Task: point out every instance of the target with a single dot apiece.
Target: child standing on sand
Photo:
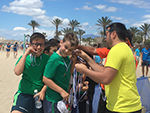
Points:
(8, 47)
(31, 65)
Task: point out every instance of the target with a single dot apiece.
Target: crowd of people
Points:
(64, 71)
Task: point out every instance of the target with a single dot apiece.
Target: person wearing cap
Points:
(145, 53)
(118, 75)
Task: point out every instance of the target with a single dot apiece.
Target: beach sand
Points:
(9, 81)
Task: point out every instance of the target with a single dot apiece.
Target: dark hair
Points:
(94, 45)
(99, 45)
(72, 38)
(53, 40)
(36, 35)
(51, 43)
(120, 30)
(129, 35)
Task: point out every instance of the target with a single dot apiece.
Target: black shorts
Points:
(25, 103)
(145, 63)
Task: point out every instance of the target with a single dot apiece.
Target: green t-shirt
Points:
(55, 70)
(121, 93)
(32, 75)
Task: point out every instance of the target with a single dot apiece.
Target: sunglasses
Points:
(107, 30)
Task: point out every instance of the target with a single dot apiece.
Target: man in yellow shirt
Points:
(118, 75)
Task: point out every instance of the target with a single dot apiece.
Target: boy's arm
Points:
(73, 58)
(20, 65)
(56, 88)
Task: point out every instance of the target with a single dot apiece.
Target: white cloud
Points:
(76, 8)
(116, 18)
(27, 3)
(105, 8)
(19, 28)
(86, 7)
(100, 6)
(110, 9)
(87, 3)
(146, 16)
(125, 21)
(137, 3)
(25, 7)
(138, 24)
(32, 8)
(85, 24)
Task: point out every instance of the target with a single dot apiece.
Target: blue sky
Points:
(16, 14)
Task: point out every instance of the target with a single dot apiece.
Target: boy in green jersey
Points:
(31, 65)
(57, 73)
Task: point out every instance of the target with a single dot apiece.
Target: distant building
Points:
(2, 38)
(98, 40)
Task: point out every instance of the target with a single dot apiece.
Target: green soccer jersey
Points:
(55, 70)
(32, 74)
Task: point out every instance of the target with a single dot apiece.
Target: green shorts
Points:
(25, 103)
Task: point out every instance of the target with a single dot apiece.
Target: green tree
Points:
(57, 22)
(33, 24)
(66, 30)
(58, 34)
(83, 40)
(73, 24)
(139, 37)
(89, 40)
(145, 28)
(134, 31)
(80, 33)
(44, 34)
(103, 22)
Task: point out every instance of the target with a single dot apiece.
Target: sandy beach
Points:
(9, 81)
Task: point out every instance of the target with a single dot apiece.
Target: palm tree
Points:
(44, 34)
(140, 34)
(33, 24)
(80, 33)
(58, 34)
(73, 24)
(89, 40)
(134, 31)
(57, 22)
(103, 22)
(145, 28)
(66, 30)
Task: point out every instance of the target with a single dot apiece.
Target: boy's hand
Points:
(41, 95)
(30, 50)
(73, 58)
(64, 95)
(86, 83)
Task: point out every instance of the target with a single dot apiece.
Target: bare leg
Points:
(15, 111)
(142, 70)
(146, 70)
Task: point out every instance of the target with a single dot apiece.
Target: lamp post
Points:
(24, 44)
